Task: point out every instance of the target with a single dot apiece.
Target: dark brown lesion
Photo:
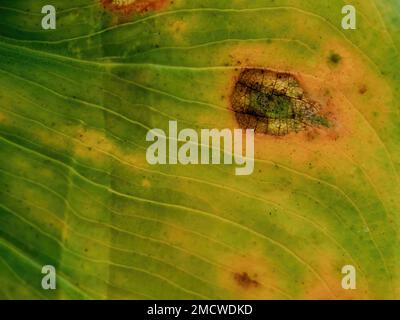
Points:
(273, 103)
(244, 280)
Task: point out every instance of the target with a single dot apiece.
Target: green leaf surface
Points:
(77, 192)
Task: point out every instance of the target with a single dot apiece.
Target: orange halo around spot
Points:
(130, 6)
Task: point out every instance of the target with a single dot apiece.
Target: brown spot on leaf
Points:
(244, 280)
(363, 89)
(252, 276)
(334, 58)
(273, 103)
(127, 7)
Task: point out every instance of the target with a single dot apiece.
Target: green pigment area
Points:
(272, 106)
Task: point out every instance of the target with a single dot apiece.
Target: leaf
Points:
(77, 193)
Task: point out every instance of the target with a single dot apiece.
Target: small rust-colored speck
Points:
(245, 281)
(363, 89)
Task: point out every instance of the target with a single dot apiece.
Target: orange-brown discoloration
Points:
(127, 7)
(3, 117)
(329, 267)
